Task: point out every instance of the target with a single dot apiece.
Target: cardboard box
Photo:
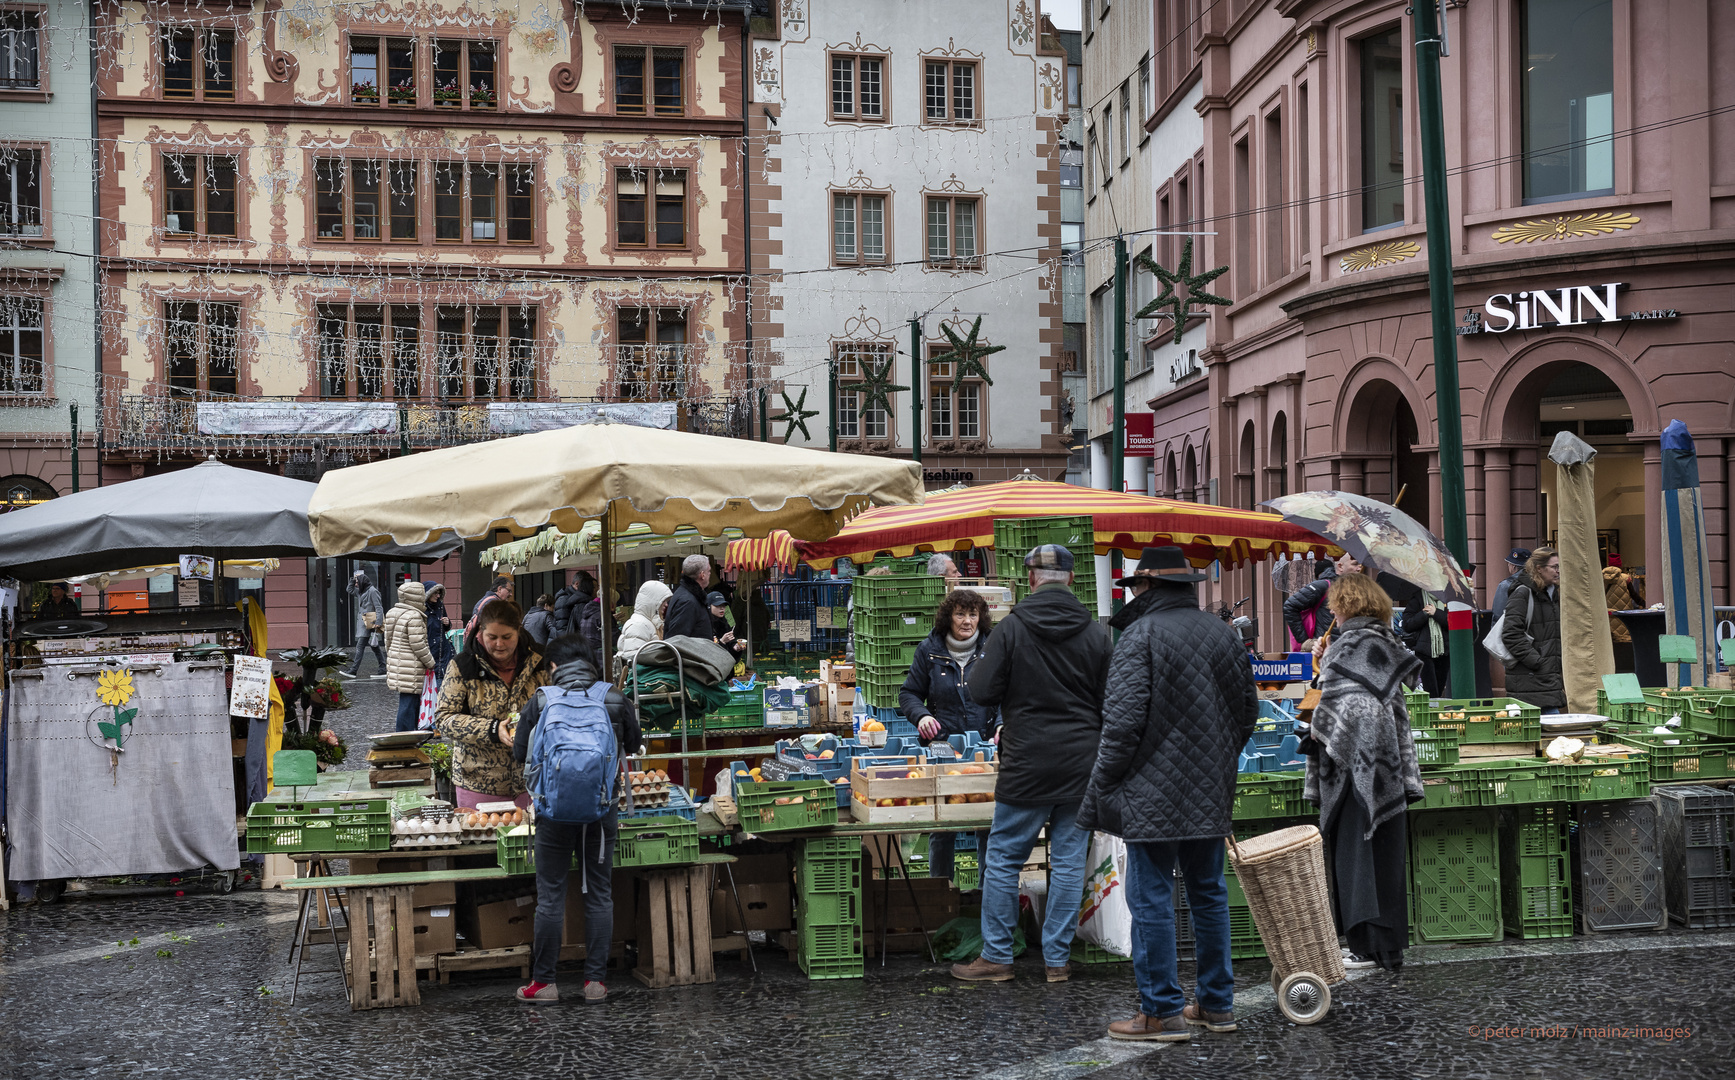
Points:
(768, 869)
(572, 928)
(833, 672)
(436, 930)
(768, 907)
(798, 717)
(938, 899)
(504, 923)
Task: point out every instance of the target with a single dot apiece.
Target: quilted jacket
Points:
(1180, 705)
(408, 657)
(473, 701)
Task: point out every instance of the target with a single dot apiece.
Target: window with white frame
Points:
(21, 343)
(953, 414)
(949, 92)
(953, 232)
(857, 87)
(858, 228)
(1107, 144)
(854, 360)
(20, 50)
(20, 191)
(1126, 119)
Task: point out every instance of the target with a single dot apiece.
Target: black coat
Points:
(1534, 676)
(1307, 598)
(1416, 634)
(687, 616)
(1180, 706)
(936, 687)
(1044, 668)
(565, 616)
(579, 674)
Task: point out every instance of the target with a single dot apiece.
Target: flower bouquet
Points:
(326, 746)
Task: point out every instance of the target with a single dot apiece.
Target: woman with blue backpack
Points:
(571, 740)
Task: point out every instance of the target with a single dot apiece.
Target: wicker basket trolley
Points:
(1283, 875)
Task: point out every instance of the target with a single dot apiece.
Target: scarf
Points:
(963, 650)
(1364, 725)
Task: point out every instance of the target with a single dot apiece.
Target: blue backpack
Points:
(574, 759)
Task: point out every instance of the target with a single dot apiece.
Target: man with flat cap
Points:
(1179, 705)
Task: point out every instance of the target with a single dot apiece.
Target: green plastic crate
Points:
(1456, 788)
(905, 623)
(760, 812)
(828, 909)
(1244, 942)
(1536, 871)
(280, 827)
(1483, 720)
(1602, 780)
(830, 847)
(663, 840)
(840, 875)
(879, 686)
(833, 941)
(815, 968)
(908, 592)
(1084, 952)
(1436, 748)
(1692, 757)
(1714, 716)
(1454, 877)
(1269, 795)
(884, 656)
(966, 874)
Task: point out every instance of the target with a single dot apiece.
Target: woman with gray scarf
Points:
(1362, 772)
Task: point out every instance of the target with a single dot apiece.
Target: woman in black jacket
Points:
(1421, 610)
(1531, 633)
(936, 695)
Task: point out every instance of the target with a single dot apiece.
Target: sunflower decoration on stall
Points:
(114, 688)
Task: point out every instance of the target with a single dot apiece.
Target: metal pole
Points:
(74, 449)
(1436, 208)
(763, 423)
(832, 416)
(403, 433)
(916, 390)
(1117, 461)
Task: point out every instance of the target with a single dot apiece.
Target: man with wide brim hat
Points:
(1178, 706)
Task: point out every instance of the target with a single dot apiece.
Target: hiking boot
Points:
(1059, 974)
(1210, 1021)
(1142, 1028)
(594, 992)
(539, 994)
(982, 969)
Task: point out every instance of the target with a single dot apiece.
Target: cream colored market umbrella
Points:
(1586, 648)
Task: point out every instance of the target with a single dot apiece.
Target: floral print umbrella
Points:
(1381, 537)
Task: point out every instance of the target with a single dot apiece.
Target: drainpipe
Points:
(747, 182)
(95, 254)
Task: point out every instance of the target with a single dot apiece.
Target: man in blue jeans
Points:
(1180, 705)
(1044, 667)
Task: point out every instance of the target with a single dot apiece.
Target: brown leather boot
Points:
(1059, 974)
(982, 970)
(1142, 1028)
(1210, 1021)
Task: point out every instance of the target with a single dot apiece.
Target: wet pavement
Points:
(197, 987)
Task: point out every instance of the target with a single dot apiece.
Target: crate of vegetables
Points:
(779, 806)
(965, 789)
(892, 790)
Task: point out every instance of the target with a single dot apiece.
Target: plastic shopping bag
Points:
(1104, 918)
(430, 698)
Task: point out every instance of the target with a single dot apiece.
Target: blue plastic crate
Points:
(680, 804)
(1274, 710)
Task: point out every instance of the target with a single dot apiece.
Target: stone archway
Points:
(1379, 457)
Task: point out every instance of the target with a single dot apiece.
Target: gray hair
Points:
(1044, 577)
(692, 564)
(939, 565)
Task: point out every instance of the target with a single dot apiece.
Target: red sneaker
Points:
(539, 994)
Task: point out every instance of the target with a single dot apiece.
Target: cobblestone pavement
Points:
(204, 992)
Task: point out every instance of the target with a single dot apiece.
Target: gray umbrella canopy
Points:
(210, 509)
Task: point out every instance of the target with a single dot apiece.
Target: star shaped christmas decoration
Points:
(876, 385)
(1191, 289)
(967, 353)
(795, 414)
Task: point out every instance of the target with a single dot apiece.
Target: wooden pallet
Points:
(518, 956)
(382, 955)
(674, 926)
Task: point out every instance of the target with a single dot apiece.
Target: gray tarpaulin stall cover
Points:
(168, 806)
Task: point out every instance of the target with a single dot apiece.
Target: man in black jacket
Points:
(1310, 600)
(1180, 704)
(688, 616)
(574, 667)
(1044, 667)
(570, 600)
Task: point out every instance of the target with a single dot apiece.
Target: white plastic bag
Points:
(1104, 918)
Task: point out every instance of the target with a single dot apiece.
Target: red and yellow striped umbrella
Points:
(960, 520)
(762, 553)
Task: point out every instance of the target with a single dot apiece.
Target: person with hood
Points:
(370, 615)
(1044, 668)
(569, 599)
(936, 695)
(1362, 773)
(646, 624)
(486, 686)
(60, 604)
(408, 657)
(539, 620)
(573, 666)
(1304, 610)
(687, 616)
(439, 624)
(1179, 705)
(1531, 633)
(1622, 592)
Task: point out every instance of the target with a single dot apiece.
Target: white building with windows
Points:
(911, 170)
(48, 311)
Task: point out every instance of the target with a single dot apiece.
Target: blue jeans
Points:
(409, 711)
(1009, 842)
(556, 843)
(941, 849)
(1150, 895)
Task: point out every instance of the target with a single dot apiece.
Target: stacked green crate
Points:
(1536, 871)
(893, 614)
(1014, 537)
(1454, 876)
(828, 908)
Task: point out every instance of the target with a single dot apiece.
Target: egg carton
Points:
(425, 840)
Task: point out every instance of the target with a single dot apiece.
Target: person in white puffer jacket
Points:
(408, 657)
(646, 624)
